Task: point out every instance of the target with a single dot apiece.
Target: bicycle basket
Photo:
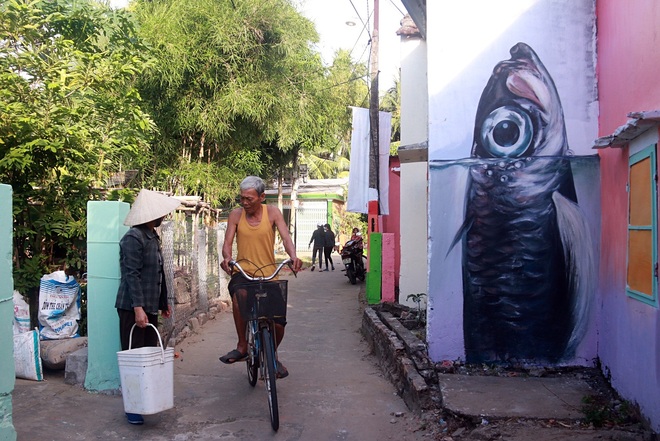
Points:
(253, 304)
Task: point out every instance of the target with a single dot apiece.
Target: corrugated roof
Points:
(323, 186)
(417, 11)
(638, 123)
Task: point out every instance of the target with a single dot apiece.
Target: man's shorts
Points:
(237, 280)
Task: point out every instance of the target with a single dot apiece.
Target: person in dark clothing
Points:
(328, 246)
(318, 237)
(142, 290)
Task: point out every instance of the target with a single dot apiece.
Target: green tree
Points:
(69, 117)
(230, 77)
(345, 86)
(391, 102)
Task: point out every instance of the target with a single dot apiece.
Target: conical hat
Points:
(150, 205)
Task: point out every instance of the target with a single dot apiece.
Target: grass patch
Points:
(603, 412)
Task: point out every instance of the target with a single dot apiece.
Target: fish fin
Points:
(580, 263)
(459, 235)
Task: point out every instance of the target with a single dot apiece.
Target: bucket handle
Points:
(162, 351)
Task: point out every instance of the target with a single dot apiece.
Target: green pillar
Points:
(105, 228)
(374, 276)
(7, 374)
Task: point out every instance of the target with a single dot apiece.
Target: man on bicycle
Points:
(253, 225)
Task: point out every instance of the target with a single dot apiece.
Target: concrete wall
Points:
(105, 228)
(413, 177)
(498, 207)
(628, 67)
(628, 63)
(392, 222)
(414, 111)
(7, 375)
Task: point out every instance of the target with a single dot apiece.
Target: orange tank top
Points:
(256, 245)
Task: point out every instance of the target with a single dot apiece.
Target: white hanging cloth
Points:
(359, 192)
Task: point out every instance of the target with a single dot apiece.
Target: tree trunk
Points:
(280, 203)
(280, 182)
(294, 193)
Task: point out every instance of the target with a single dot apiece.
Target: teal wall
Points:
(7, 375)
(105, 228)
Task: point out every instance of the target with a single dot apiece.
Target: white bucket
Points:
(147, 377)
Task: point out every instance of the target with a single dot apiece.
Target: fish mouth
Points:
(526, 77)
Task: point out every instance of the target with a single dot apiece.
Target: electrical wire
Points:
(397, 8)
(350, 80)
(364, 25)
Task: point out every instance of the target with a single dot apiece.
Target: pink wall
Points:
(628, 61)
(628, 67)
(391, 222)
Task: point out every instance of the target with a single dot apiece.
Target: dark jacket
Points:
(329, 239)
(318, 237)
(142, 280)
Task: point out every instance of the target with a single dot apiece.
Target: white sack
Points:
(27, 359)
(21, 322)
(59, 306)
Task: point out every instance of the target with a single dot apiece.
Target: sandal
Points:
(282, 372)
(233, 357)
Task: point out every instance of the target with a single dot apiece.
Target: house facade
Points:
(629, 98)
(413, 176)
(542, 186)
(318, 201)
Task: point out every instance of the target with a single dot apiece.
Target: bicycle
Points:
(260, 304)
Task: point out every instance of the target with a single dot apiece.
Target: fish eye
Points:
(507, 132)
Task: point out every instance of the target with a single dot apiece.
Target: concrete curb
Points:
(396, 357)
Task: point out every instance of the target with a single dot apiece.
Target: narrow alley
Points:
(334, 390)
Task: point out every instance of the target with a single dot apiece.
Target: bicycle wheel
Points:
(268, 358)
(253, 353)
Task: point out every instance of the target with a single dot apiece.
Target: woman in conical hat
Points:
(142, 289)
(149, 206)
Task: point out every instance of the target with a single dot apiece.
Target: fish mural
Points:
(527, 256)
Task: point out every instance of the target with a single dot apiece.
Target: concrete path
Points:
(334, 390)
(502, 397)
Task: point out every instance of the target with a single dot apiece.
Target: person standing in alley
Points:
(318, 237)
(142, 290)
(328, 246)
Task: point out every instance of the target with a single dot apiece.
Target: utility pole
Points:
(373, 107)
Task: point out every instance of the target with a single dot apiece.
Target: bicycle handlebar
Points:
(233, 263)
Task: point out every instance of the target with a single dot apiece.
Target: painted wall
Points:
(628, 67)
(7, 375)
(414, 176)
(513, 194)
(105, 228)
(391, 222)
(628, 63)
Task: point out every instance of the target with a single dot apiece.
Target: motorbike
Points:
(352, 257)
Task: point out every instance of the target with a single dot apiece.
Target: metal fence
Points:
(195, 282)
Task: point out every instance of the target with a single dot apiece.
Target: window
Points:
(642, 271)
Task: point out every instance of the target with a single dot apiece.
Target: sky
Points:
(331, 17)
